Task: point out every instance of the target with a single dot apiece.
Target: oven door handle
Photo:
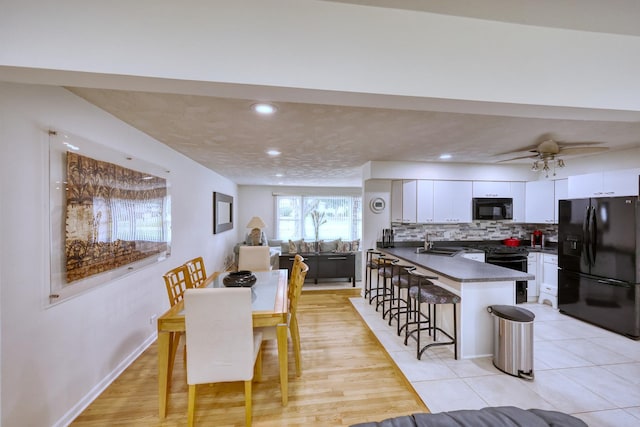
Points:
(505, 261)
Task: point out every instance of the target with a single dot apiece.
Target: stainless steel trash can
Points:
(513, 340)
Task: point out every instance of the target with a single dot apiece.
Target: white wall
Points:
(55, 359)
(448, 171)
(255, 200)
(368, 50)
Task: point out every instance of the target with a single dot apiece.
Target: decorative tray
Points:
(239, 279)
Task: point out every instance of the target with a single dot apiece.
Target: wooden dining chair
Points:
(223, 345)
(177, 281)
(254, 258)
(197, 272)
(295, 290)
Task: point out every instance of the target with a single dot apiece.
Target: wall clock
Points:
(377, 205)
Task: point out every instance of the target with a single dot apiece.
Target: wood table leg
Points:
(164, 344)
(281, 333)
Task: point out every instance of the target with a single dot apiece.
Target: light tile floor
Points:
(579, 369)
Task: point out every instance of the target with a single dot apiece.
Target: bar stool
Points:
(417, 278)
(385, 271)
(434, 295)
(400, 279)
(372, 255)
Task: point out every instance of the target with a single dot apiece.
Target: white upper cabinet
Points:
(409, 201)
(560, 187)
(452, 201)
(539, 205)
(425, 201)
(491, 189)
(403, 201)
(518, 195)
(396, 201)
(604, 184)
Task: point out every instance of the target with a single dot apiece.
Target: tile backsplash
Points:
(476, 230)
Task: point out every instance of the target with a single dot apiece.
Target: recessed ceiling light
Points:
(273, 153)
(263, 108)
(445, 156)
(279, 175)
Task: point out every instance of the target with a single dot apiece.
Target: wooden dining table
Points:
(269, 304)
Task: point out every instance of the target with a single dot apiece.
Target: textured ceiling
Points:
(326, 145)
(325, 142)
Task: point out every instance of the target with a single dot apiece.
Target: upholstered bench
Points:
(499, 416)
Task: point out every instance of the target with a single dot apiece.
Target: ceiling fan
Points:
(549, 150)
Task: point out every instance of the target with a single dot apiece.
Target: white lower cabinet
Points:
(549, 284)
(533, 267)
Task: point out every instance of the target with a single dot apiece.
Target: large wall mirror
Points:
(222, 212)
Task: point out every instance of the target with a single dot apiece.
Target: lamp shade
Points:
(256, 222)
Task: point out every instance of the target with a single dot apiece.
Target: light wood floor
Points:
(347, 378)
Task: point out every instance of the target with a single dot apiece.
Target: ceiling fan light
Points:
(560, 163)
(535, 167)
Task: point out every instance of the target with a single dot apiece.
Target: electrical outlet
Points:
(152, 319)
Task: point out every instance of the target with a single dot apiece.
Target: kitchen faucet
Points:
(427, 243)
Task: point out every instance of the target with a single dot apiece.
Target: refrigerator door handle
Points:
(593, 235)
(613, 282)
(586, 244)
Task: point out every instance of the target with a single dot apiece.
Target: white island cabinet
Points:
(478, 284)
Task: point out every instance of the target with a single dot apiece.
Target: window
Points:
(336, 217)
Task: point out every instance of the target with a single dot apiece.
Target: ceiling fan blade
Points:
(529, 149)
(530, 156)
(581, 150)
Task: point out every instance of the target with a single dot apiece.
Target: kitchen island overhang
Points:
(479, 285)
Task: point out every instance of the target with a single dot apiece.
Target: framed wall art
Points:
(222, 212)
(109, 214)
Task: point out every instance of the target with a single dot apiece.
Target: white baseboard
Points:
(102, 385)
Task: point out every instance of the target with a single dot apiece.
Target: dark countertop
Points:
(457, 267)
(546, 250)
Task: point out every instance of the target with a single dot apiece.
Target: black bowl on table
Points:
(239, 279)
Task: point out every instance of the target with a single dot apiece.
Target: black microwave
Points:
(493, 209)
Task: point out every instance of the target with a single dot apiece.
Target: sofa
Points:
(336, 246)
(499, 416)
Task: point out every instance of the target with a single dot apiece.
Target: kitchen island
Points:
(478, 284)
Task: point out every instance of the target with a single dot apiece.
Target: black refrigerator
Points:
(598, 261)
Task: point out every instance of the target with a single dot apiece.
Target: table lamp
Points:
(257, 237)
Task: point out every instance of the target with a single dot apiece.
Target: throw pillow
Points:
(307, 247)
(352, 246)
(293, 247)
(329, 246)
(343, 247)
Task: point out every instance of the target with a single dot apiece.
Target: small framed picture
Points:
(222, 212)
